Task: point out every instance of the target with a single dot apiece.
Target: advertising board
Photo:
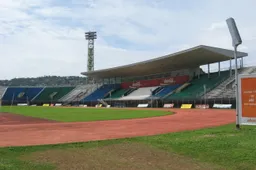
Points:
(156, 82)
(171, 105)
(142, 105)
(247, 99)
(202, 106)
(222, 106)
(186, 106)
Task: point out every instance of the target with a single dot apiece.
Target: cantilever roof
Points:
(190, 58)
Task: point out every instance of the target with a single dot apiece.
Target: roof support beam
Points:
(230, 67)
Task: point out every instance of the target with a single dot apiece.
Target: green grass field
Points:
(82, 114)
(214, 148)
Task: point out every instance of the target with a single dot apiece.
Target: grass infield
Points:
(213, 148)
(82, 114)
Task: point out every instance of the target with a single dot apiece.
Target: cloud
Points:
(46, 37)
(218, 25)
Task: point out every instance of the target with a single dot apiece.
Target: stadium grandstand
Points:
(176, 78)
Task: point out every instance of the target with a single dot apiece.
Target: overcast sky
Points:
(46, 37)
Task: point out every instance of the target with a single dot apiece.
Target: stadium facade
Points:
(175, 78)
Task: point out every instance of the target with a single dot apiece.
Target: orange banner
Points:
(248, 97)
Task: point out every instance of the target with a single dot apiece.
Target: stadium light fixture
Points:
(90, 36)
(236, 41)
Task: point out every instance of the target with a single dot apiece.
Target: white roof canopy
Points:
(190, 58)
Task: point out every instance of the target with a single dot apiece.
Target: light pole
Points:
(236, 41)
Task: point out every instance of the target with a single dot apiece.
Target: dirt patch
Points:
(125, 156)
(15, 119)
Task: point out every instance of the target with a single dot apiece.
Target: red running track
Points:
(54, 133)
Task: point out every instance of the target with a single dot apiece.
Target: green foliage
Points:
(45, 81)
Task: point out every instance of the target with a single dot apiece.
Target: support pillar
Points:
(199, 73)
(230, 69)
(208, 70)
(219, 68)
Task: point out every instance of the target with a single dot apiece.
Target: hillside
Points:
(45, 81)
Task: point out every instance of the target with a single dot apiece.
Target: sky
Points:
(46, 37)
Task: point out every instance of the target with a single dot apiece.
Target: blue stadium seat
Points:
(101, 92)
(21, 94)
(166, 90)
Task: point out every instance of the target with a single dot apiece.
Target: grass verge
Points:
(214, 148)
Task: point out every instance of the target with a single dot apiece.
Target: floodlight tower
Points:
(90, 36)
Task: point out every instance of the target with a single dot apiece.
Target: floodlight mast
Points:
(236, 41)
(90, 36)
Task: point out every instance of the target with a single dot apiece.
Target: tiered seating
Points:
(196, 87)
(226, 89)
(166, 90)
(2, 91)
(79, 93)
(12, 93)
(140, 94)
(117, 94)
(101, 92)
(32, 92)
(52, 94)
(21, 94)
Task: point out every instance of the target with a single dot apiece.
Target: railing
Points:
(103, 102)
(211, 88)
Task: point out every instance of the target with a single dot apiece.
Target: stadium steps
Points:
(90, 90)
(226, 88)
(78, 93)
(217, 92)
(247, 70)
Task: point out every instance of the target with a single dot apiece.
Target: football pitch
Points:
(64, 114)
